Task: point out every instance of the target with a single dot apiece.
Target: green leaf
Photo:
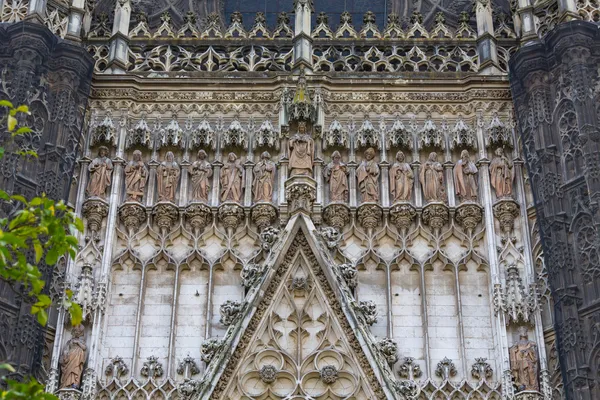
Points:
(12, 123)
(52, 256)
(1, 152)
(22, 130)
(39, 252)
(42, 317)
(7, 367)
(22, 109)
(76, 314)
(6, 103)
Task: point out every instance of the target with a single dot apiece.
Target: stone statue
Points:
(367, 174)
(232, 180)
(465, 178)
(136, 175)
(401, 179)
(167, 176)
(301, 149)
(100, 174)
(432, 179)
(264, 178)
(502, 174)
(524, 362)
(200, 171)
(336, 174)
(72, 359)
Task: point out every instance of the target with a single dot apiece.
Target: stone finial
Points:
(117, 367)
(152, 368)
(368, 309)
(250, 274)
(188, 367)
(350, 274)
(210, 347)
(409, 369)
(445, 369)
(389, 350)
(230, 311)
(268, 237)
(481, 370)
(330, 235)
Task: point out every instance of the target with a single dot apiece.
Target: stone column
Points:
(119, 42)
(37, 10)
(75, 20)
(524, 21)
(486, 41)
(302, 40)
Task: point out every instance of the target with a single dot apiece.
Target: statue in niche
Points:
(336, 174)
(367, 174)
(524, 362)
(200, 171)
(100, 174)
(502, 174)
(401, 179)
(136, 175)
(232, 180)
(72, 359)
(465, 178)
(167, 176)
(301, 149)
(432, 179)
(264, 178)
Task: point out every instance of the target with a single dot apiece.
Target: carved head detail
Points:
(400, 156)
(231, 157)
(302, 127)
(170, 156)
(202, 155)
(137, 155)
(336, 157)
(523, 333)
(78, 331)
(464, 155)
(370, 154)
(103, 151)
(433, 156)
(499, 152)
(265, 155)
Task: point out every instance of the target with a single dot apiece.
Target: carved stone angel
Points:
(502, 174)
(465, 178)
(136, 175)
(167, 176)
(100, 174)
(232, 180)
(301, 150)
(336, 174)
(72, 359)
(201, 171)
(367, 174)
(264, 178)
(401, 179)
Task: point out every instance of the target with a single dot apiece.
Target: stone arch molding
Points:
(300, 335)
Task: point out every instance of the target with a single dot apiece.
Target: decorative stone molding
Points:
(349, 274)
(335, 135)
(199, 216)
(251, 273)
(69, 394)
(299, 283)
(188, 389)
(231, 215)
(462, 136)
(389, 350)
(367, 136)
(266, 135)
(435, 215)
(140, 135)
(498, 134)
(268, 373)
(171, 135)
(445, 369)
(369, 215)
(132, 215)
(409, 369)
(329, 374)
(368, 311)
(336, 215)
(188, 367)
(105, 132)
(152, 368)
(399, 136)
(263, 215)
(230, 310)
(301, 192)
(403, 215)
(330, 235)
(407, 388)
(94, 211)
(165, 216)
(202, 136)
(210, 347)
(268, 237)
(431, 136)
(506, 211)
(468, 216)
(84, 292)
(117, 368)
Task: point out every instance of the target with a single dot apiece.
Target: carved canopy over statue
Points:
(100, 174)
(336, 174)
(200, 171)
(524, 362)
(401, 179)
(301, 150)
(432, 179)
(367, 174)
(167, 175)
(232, 180)
(72, 359)
(136, 175)
(264, 178)
(502, 174)
(465, 178)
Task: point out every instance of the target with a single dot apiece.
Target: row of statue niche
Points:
(301, 163)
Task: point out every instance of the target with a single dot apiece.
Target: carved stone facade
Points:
(282, 207)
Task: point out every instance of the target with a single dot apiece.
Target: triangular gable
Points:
(293, 332)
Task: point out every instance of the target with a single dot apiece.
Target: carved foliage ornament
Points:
(230, 311)
(152, 368)
(116, 368)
